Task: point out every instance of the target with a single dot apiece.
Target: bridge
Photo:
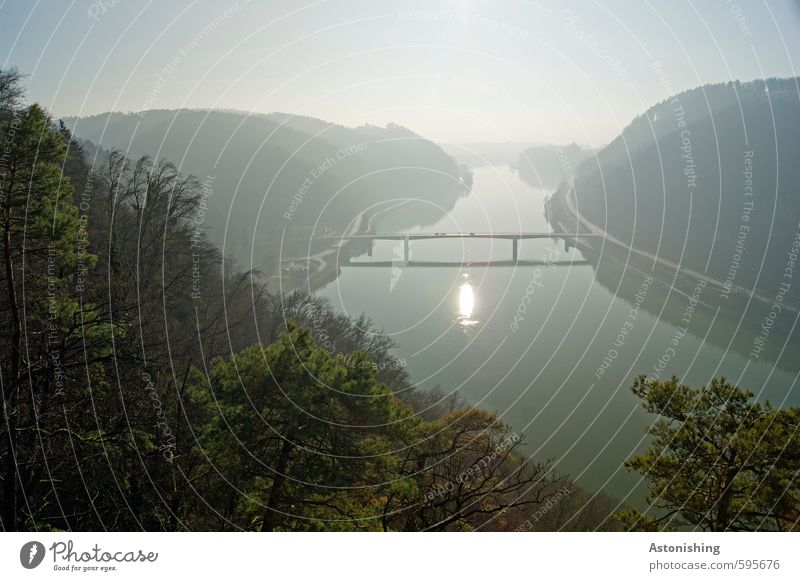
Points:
(475, 264)
(570, 240)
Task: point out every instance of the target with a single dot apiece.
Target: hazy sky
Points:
(452, 70)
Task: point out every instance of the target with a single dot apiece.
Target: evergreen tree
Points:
(719, 461)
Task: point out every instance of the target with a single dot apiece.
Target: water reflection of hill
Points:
(417, 213)
(736, 323)
(707, 179)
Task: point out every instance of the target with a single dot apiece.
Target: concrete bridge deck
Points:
(445, 235)
(462, 263)
(570, 240)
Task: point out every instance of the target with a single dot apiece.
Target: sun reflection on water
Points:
(466, 304)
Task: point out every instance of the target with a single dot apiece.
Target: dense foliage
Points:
(719, 461)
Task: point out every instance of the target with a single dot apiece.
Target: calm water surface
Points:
(528, 342)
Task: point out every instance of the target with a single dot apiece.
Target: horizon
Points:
(519, 144)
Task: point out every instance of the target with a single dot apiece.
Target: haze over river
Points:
(529, 342)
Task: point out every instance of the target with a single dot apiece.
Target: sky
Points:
(452, 70)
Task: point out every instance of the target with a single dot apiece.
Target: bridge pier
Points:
(514, 248)
(369, 248)
(405, 249)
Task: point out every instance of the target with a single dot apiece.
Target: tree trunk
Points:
(268, 519)
(724, 503)
(11, 395)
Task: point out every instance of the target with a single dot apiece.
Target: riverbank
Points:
(731, 318)
(326, 263)
(561, 204)
(312, 272)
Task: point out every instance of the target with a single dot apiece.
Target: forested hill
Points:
(708, 179)
(149, 384)
(270, 172)
(549, 165)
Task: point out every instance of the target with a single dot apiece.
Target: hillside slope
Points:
(709, 179)
(278, 179)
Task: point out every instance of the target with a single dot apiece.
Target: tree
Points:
(11, 89)
(297, 440)
(467, 474)
(719, 461)
(40, 231)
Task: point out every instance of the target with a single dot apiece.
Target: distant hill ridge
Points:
(549, 165)
(270, 166)
(710, 179)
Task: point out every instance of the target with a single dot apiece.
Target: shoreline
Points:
(615, 264)
(324, 267)
(566, 206)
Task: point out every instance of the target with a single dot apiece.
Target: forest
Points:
(151, 383)
(281, 181)
(707, 179)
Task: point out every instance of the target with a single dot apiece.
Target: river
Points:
(542, 345)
